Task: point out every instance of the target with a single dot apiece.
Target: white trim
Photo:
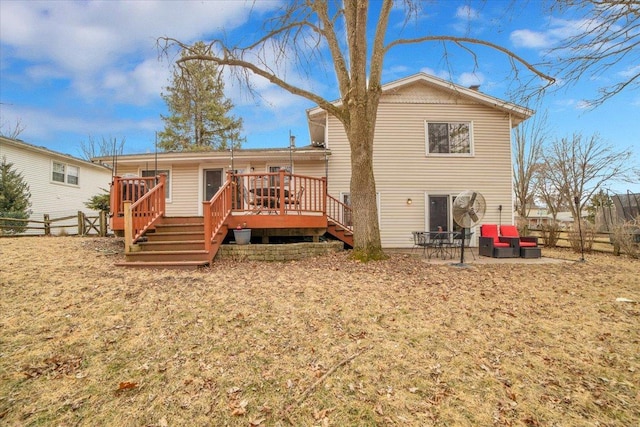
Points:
(65, 178)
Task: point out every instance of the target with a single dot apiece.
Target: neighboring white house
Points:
(433, 140)
(59, 184)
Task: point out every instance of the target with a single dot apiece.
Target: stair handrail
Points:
(141, 214)
(338, 212)
(215, 212)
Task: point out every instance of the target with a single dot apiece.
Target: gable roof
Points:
(316, 115)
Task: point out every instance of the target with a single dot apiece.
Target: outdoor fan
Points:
(468, 209)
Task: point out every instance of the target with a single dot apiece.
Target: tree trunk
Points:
(366, 229)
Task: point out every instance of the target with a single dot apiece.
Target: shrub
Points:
(624, 237)
(588, 235)
(99, 202)
(550, 234)
(14, 199)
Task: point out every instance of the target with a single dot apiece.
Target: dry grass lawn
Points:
(320, 342)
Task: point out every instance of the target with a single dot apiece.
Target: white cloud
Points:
(530, 39)
(41, 124)
(630, 71)
(559, 29)
(444, 75)
(80, 40)
(138, 86)
(467, 12)
(470, 79)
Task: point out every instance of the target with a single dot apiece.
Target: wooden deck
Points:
(270, 204)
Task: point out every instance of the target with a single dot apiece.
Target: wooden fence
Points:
(84, 225)
(601, 241)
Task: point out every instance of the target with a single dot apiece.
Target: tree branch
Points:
(228, 60)
(461, 40)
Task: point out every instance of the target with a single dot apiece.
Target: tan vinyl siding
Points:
(185, 184)
(340, 160)
(309, 168)
(404, 170)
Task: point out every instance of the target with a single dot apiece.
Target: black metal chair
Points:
(421, 240)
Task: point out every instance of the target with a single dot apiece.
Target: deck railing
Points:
(279, 192)
(128, 188)
(141, 214)
(339, 212)
(215, 212)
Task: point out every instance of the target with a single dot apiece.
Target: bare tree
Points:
(310, 33)
(528, 139)
(548, 194)
(11, 131)
(102, 148)
(579, 167)
(607, 35)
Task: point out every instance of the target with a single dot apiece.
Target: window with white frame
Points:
(65, 174)
(165, 172)
(448, 138)
(72, 174)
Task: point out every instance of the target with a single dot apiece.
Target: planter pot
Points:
(243, 237)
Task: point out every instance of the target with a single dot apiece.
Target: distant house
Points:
(540, 216)
(433, 140)
(60, 184)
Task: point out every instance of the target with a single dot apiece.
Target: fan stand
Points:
(461, 263)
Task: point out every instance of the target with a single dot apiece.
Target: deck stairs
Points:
(177, 242)
(340, 233)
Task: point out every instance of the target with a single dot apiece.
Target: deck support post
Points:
(128, 226)
(208, 226)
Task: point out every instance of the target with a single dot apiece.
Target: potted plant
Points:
(242, 234)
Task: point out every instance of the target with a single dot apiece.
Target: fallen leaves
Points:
(127, 385)
(55, 367)
(260, 344)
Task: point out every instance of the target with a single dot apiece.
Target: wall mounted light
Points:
(409, 201)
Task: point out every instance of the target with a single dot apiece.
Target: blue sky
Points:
(74, 70)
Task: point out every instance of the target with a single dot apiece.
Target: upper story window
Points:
(449, 138)
(66, 174)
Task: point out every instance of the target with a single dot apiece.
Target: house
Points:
(59, 184)
(433, 140)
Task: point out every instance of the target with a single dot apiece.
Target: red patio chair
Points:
(496, 246)
(528, 245)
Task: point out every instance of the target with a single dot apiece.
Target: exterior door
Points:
(212, 182)
(438, 213)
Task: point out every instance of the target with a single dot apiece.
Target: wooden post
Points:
(128, 226)
(208, 228)
(281, 190)
(103, 223)
(80, 223)
(47, 225)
